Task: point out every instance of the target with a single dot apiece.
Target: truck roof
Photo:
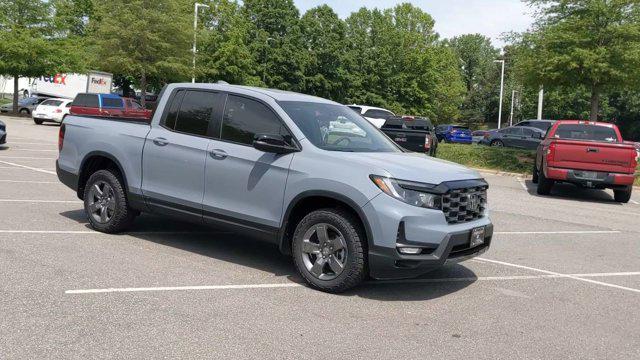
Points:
(585, 122)
(278, 95)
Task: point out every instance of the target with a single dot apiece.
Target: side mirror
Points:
(273, 144)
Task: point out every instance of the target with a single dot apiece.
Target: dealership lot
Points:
(561, 280)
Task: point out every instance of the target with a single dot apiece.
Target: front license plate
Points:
(477, 236)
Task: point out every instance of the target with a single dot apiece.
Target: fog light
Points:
(410, 250)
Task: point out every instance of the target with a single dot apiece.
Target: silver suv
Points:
(307, 174)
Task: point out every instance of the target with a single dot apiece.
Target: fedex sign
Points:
(56, 79)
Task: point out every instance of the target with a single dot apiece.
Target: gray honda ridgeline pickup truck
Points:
(305, 173)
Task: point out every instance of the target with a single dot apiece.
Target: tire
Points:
(497, 143)
(349, 252)
(119, 215)
(623, 195)
(544, 184)
(535, 173)
(24, 111)
(38, 121)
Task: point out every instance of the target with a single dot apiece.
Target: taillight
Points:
(551, 152)
(57, 111)
(427, 142)
(61, 137)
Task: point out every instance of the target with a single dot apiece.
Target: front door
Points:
(175, 154)
(245, 186)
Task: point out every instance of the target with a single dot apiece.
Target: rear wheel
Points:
(329, 250)
(623, 195)
(497, 143)
(535, 173)
(24, 111)
(105, 203)
(38, 121)
(544, 184)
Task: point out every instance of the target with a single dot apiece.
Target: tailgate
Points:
(413, 140)
(595, 156)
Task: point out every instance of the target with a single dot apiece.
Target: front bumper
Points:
(395, 223)
(602, 180)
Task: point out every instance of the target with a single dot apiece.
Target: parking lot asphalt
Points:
(561, 281)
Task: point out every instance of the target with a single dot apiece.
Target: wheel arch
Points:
(99, 160)
(311, 200)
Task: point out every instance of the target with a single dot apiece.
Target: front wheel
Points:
(329, 250)
(535, 176)
(105, 203)
(623, 195)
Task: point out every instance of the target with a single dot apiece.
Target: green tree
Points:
(276, 42)
(28, 47)
(590, 43)
(325, 40)
(149, 40)
(476, 57)
(223, 45)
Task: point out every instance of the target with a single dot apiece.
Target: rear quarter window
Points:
(109, 102)
(86, 100)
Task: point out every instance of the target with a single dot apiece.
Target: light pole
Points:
(513, 97)
(264, 71)
(540, 101)
(501, 92)
(195, 33)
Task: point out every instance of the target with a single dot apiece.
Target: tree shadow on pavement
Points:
(232, 248)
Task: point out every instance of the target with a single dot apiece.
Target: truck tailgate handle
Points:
(593, 150)
(160, 141)
(218, 154)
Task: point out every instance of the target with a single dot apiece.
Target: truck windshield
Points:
(585, 132)
(337, 128)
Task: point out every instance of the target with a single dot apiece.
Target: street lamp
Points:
(264, 70)
(501, 92)
(513, 97)
(195, 28)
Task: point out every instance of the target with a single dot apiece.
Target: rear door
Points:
(512, 137)
(530, 139)
(245, 186)
(175, 153)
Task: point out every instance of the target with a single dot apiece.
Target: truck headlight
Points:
(415, 194)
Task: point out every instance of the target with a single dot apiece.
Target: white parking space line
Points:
(39, 150)
(521, 182)
(27, 157)
(32, 143)
(28, 167)
(292, 285)
(570, 276)
(29, 182)
(634, 202)
(557, 232)
(73, 232)
(41, 201)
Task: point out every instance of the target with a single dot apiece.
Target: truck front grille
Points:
(466, 204)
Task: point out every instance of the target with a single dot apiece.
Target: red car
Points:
(587, 154)
(108, 105)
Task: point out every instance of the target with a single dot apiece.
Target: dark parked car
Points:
(515, 136)
(478, 135)
(412, 133)
(25, 106)
(3, 133)
(453, 134)
(543, 125)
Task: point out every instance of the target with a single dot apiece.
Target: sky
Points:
(453, 17)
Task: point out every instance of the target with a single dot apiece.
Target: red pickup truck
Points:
(587, 154)
(108, 105)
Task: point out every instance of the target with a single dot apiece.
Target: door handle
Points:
(218, 154)
(160, 141)
(594, 150)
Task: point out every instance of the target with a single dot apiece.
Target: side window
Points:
(170, 120)
(375, 113)
(69, 104)
(195, 112)
(110, 102)
(244, 118)
(524, 123)
(86, 100)
(527, 132)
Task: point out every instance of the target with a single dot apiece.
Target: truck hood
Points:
(413, 167)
